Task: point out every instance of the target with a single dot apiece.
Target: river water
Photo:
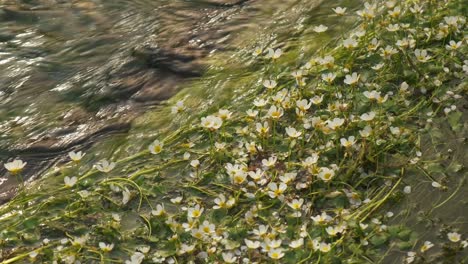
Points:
(97, 75)
(74, 73)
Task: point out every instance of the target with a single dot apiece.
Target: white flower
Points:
(195, 163)
(221, 202)
(326, 174)
(33, 254)
(325, 247)
(178, 107)
(79, 241)
(105, 166)
(393, 27)
(366, 132)
(453, 45)
(296, 204)
(211, 122)
(197, 233)
(156, 147)
(184, 248)
(368, 12)
(373, 45)
(395, 12)
(374, 95)
(229, 257)
(296, 243)
(303, 105)
(76, 156)
(352, 79)
(335, 123)
(333, 230)
(275, 112)
(297, 74)
(328, 77)
(388, 52)
(452, 21)
(84, 193)
(224, 114)
(136, 258)
(348, 142)
(339, 10)
(257, 51)
(276, 253)
(421, 55)
(106, 247)
(15, 166)
(378, 66)
(276, 191)
(416, 9)
(292, 132)
(395, 130)
(252, 244)
(69, 182)
(316, 100)
(270, 162)
(195, 212)
(350, 43)
(239, 177)
(311, 160)
(269, 84)
(410, 257)
(260, 102)
(407, 189)
(176, 200)
(320, 28)
(368, 116)
(252, 113)
(404, 87)
(288, 177)
(464, 244)
(126, 195)
(327, 61)
(220, 146)
(160, 211)
(207, 227)
(274, 54)
(427, 245)
(454, 237)
(256, 175)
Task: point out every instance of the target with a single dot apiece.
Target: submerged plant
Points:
(304, 171)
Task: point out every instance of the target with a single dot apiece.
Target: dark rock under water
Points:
(108, 90)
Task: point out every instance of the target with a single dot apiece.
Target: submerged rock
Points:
(103, 99)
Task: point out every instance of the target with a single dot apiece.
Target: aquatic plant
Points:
(300, 173)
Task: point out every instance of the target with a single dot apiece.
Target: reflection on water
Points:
(64, 63)
(74, 72)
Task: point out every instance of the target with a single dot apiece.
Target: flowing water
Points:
(73, 73)
(100, 76)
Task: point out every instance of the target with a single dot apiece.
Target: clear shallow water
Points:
(61, 63)
(73, 74)
(84, 72)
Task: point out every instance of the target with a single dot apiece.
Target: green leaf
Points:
(379, 240)
(454, 119)
(404, 245)
(404, 234)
